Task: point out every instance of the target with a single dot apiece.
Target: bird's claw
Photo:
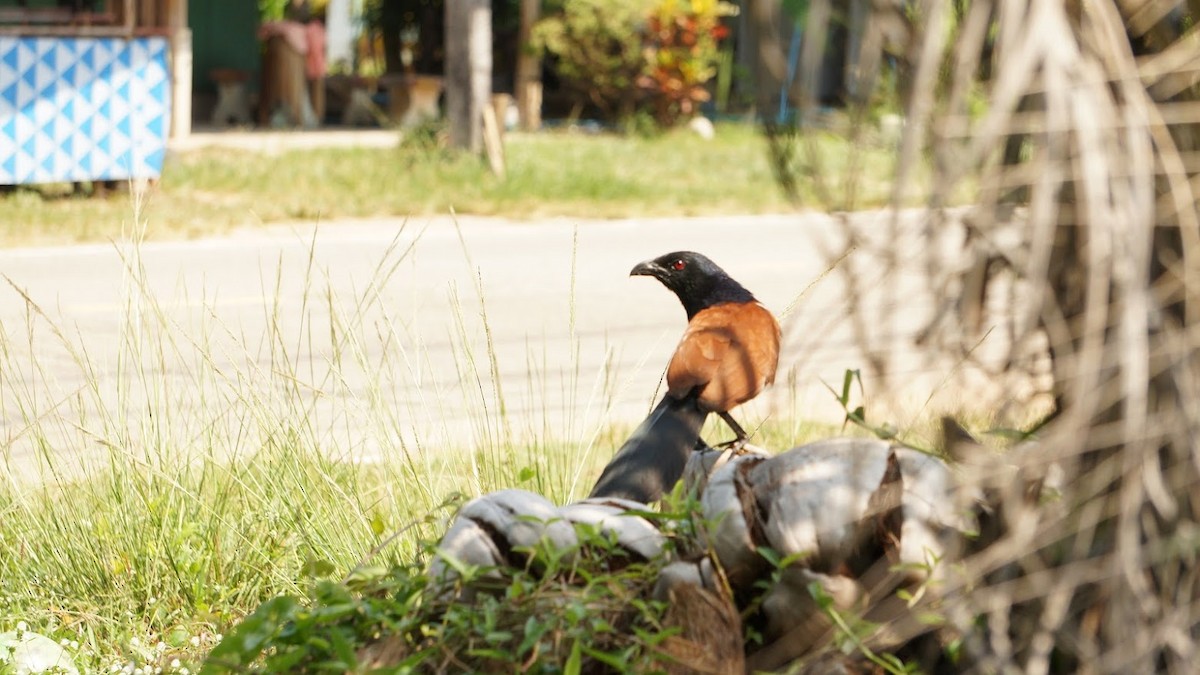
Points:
(737, 446)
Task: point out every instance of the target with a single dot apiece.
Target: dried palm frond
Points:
(1082, 239)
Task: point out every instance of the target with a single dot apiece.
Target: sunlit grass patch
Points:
(214, 190)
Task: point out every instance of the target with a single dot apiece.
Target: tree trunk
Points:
(769, 56)
(390, 19)
(468, 70)
(528, 77)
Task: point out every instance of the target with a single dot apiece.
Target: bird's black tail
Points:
(653, 458)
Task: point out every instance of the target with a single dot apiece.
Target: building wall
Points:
(223, 36)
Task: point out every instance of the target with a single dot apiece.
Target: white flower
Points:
(175, 663)
(22, 626)
(161, 646)
(195, 640)
(133, 641)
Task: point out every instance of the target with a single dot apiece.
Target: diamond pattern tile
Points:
(81, 109)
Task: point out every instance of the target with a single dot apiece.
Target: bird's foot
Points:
(737, 446)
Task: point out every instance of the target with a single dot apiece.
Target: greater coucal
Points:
(653, 459)
(730, 349)
(728, 354)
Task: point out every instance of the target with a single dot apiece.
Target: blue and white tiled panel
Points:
(82, 109)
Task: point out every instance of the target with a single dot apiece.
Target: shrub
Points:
(627, 56)
(597, 50)
(581, 614)
(681, 54)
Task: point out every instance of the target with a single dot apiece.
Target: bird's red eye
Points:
(678, 265)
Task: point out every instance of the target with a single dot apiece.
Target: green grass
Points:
(549, 174)
(143, 553)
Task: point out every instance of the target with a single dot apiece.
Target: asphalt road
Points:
(371, 335)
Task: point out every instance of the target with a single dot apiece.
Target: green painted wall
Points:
(223, 36)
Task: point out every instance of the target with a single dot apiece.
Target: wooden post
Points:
(129, 18)
(176, 15)
(468, 70)
(181, 68)
(493, 141)
(529, 67)
(148, 13)
(500, 106)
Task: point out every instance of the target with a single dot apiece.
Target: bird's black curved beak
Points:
(646, 269)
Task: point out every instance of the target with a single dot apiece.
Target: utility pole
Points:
(468, 70)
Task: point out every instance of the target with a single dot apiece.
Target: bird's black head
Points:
(697, 281)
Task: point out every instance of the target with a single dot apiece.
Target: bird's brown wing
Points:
(728, 353)
(763, 347)
(698, 357)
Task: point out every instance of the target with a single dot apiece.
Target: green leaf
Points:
(283, 662)
(493, 654)
(421, 657)
(574, 664)
(377, 525)
(653, 639)
(847, 380)
(498, 636)
(608, 659)
(177, 637)
(332, 593)
(817, 591)
(244, 644)
(465, 571)
(931, 618)
(953, 650)
(344, 650)
(315, 568)
(534, 630)
(770, 555)
(526, 474)
(365, 575)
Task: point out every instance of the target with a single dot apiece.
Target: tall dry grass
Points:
(156, 487)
